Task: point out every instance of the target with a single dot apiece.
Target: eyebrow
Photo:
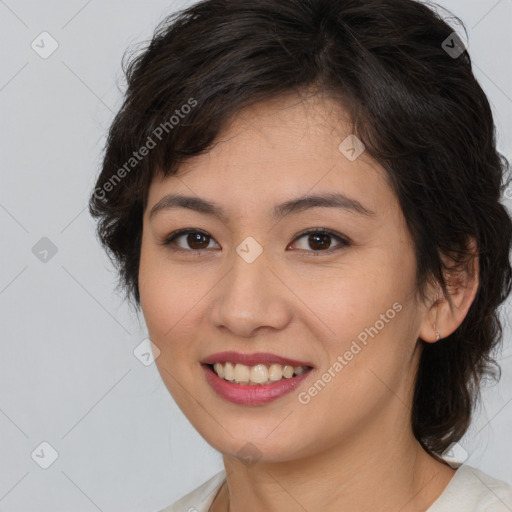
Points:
(301, 204)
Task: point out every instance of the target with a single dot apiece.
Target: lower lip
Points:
(249, 394)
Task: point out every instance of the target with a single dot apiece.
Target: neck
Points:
(378, 469)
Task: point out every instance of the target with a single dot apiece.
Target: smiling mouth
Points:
(260, 374)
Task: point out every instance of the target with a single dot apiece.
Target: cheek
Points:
(369, 312)
(162, 294)
(166, 304)
(171, 299)
(351, 297)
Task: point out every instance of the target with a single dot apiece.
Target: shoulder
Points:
(472, 490)
(200, 499)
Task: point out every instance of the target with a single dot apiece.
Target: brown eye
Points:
(197, 240)
(320, 241)
(194, 240)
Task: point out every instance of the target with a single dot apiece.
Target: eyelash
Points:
(344, 242)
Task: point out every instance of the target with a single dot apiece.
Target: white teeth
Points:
(275, 372)
(242, 373)
(229, 373)
(219, 370)
(258, 374)
(288, 372)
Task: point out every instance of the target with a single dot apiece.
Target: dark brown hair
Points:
(417, 108)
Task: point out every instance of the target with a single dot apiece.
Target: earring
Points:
(437, 333)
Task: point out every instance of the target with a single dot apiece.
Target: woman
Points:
(303, 197)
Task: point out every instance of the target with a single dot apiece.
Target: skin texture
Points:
(351, 447)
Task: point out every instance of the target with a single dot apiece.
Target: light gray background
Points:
(68, 375)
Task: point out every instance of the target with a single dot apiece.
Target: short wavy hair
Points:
(417, 108)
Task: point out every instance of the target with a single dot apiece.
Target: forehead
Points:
(279, 149)
(301, 127)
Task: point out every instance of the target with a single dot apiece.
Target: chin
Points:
(253, 449)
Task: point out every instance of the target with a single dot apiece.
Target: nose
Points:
(251, 298)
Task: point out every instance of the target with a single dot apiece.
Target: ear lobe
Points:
(462, 281)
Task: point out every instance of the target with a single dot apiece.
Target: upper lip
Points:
(252, 359)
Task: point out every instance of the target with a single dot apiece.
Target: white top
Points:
(469, 490)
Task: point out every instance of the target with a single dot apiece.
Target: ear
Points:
(462, 285)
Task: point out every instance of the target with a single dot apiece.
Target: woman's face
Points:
(259, 285)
